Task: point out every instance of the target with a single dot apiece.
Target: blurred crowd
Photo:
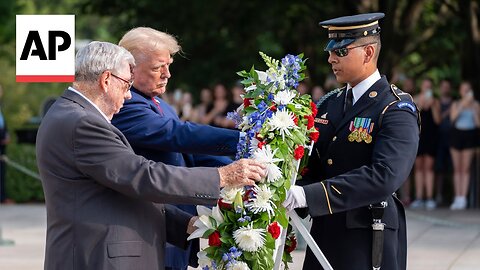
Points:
(450, 133)
(214, 103)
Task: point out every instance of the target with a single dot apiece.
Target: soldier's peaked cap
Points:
(343, 31)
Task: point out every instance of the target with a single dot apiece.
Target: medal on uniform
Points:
(360, 129)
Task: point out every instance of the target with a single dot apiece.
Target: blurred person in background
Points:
(185, 107)
(317, 93)
(217, 111)
(443, 162)
(4, 140)
(201, 109)
(237, 100)
(302, 88)
(465, 117)
(429, 108)
(153, 128)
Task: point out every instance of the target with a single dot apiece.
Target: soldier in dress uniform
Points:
(369, 132)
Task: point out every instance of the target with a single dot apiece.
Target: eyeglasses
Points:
(342, 52)
(129, 83)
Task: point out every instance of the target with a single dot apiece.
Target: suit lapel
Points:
(366, 100)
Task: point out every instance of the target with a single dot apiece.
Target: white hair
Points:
(97, 57)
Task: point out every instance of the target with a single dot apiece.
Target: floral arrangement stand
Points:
(297, 222)
(244, 228)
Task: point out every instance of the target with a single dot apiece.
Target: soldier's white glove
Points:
(295, 198)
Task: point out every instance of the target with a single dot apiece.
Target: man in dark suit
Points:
(150, 124)
(368, 142)
(153, 128)
(105, 203)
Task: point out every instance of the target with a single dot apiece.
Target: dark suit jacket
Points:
(349, 176)
(154, 131)
(100, 195)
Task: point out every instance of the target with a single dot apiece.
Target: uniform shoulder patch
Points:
(406, 104)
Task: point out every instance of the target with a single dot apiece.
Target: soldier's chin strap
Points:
(377, 235)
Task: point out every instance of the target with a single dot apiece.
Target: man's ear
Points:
(369, 53)
(105, 80)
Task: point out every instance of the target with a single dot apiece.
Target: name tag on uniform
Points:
(321, 121)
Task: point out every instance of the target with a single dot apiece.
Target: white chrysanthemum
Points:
(282, 121)
(267, 157)
(262, 200)
(284, 97)
(203, 223)
(203, 259)
(228, 194)
(238, 265)
(249, 239)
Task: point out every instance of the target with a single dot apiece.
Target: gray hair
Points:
(97, 57)
(141, 41)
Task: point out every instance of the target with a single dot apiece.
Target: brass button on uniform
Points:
(329, 161)
(334, 138)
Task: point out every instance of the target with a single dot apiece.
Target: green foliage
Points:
(21, 187)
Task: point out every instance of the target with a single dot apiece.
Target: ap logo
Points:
(45, 50)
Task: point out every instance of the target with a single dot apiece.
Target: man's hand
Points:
(191, 228)
(295, 198)
(243, 172)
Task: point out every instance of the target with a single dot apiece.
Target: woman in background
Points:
(429, 108)
(465, 118)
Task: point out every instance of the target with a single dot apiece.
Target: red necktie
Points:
(157, 104)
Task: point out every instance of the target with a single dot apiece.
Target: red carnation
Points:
(292, 245)
(314, 136)
(310, 120)
(246, 102)
(274, 230)
(273, 108)
(261, 144)
(224, 205)
(298, 153)
(295, 120)
(214, 239)
(314, 108)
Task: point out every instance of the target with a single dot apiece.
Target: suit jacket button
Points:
(329, 161)
(334, 138)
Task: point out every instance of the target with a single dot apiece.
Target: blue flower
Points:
(235, 252)
(262, 106)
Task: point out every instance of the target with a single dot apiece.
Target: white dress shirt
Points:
(363, 86)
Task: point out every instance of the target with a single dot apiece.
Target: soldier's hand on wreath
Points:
(295, 198)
